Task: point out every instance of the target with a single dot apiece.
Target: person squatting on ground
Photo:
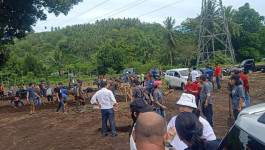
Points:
(158, 98)
(218, 75)
(238, 95)
(137, 107)
(49, 95)
(150, 132)
(105, 99)
(206, 99)
(190, 131)
(16, 101)
(59, 96)
(31, 97)
(187, 103)
(246, 87)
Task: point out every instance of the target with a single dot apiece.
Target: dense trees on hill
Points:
(108, 46)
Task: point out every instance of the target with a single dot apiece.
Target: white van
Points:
(177, 77)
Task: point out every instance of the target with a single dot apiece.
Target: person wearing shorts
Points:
(31, 97)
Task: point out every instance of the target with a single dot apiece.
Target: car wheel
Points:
(182, 86)
(250, 71)
(168, 86)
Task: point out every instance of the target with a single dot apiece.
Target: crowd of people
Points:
(150, 130)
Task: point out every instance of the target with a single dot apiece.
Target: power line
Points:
(128, 6)
(159, 8)
(90, 9)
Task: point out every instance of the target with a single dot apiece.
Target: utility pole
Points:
(214, 37)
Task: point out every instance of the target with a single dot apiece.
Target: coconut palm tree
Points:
(169, 24)
(234, 28)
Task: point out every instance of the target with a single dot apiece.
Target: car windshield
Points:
(239, 139)
(242, 64)
(184, 72)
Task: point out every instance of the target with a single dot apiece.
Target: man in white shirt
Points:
(187, 103)
(105, 99)
(193, 74)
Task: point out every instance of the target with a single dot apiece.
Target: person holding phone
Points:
(191, 88)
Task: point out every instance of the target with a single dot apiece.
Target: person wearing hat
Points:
(191, 87)
(207, 98)
(105, 99)
(158, 98)
(137, 107)
(190, 130)
(187, 103)
(238, 95)
(59, 96)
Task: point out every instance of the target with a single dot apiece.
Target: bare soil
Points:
(50, 131)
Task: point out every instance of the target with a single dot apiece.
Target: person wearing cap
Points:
(31, 97)
(191, 87)
(137, 107)
(59, 96)
(137, 91)
(158, 98)
(218, 74)
(193, 74)
(105, 99)
(187, 103)
(238, 95)
(206, 99)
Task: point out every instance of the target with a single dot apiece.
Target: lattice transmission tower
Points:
(214, 37)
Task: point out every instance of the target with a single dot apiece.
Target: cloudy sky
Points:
(146, 10)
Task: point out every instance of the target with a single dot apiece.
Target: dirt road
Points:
(49, 131)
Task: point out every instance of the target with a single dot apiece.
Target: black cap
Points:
(235, 77)
(60, 83)
(140, 105)
(136, 81)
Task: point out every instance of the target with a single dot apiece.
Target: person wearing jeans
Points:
(206, 98)
(105, 99)
(59, 96)
(218, 74)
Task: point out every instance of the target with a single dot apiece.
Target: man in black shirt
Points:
(59, 96)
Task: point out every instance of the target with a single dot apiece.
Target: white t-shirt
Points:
(208, 133)
(132, 143)
(193, 74)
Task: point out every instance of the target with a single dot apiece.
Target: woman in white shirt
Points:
(187, 103)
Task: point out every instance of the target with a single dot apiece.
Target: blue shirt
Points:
(31, 92)
(209, 72)
(154, 73)
(64, 91)
(151, 85)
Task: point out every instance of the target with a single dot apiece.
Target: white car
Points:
(177, 77)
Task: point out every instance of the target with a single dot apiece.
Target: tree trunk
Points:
(171, 59)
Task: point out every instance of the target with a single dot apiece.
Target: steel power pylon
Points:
(214, 36)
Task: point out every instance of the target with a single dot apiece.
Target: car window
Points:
(238, 139)
(184, 72)
(169, 73)
(176, 74)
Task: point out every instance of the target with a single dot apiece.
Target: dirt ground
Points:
(47, 130)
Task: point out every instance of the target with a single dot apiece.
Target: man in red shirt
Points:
(199, 89)
(218, 74)
(246, 87)
(191, 88)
